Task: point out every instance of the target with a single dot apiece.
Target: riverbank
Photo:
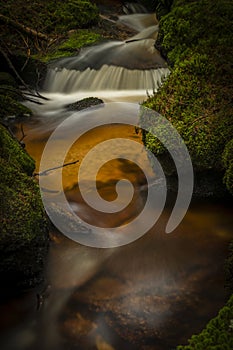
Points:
(24, 228)
(29, 31)
(197, 96)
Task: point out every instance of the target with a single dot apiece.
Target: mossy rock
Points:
(218, 334)
(12, 152)
(71, 45)
(24, 230)
(75, 14)
(10, 108)
(84, 103)
(197, 96)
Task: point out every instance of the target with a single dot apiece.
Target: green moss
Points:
(229, 269)
(10, 107)
(12, 152)
(197, 96)
(80, 38)
(75, 14)
(52, 16)
(196, 37)
(227, 158)
(21, 204)
(218, 334)
(23, 238)
(71, 45)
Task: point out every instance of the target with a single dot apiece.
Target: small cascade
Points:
(139, 21)
(131, 65)
(139, 54)
(106, 78)
(133, 7)
(147, 33)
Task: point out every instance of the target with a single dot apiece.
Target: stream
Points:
(153, 293)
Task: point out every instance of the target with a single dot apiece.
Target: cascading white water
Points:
(107, 78)
(131, 65)
(139, 21)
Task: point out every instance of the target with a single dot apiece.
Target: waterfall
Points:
(116, 66)
(106, 78)
(139, 21)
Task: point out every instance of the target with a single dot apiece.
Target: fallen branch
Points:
(23, 28)
(33, 101)
(45, 172)
(36, 94)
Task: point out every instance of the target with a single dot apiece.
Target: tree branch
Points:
(23, 28)
(30, 93)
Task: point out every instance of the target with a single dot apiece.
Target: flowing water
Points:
(151, 294)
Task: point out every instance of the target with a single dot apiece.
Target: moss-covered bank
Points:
(62, 27)
(196, 37)
(24, 234)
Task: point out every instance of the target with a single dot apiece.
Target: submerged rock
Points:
(24, 231)
(84, 103)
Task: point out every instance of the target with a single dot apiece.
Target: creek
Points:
(151, 294)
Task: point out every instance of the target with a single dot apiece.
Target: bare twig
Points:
(45, 172)
(33, 101)
(13, 68)
(23, 134)
(30, 92)
(34, 94)
(25, 40)
(197, 119)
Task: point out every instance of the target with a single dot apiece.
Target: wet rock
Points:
(78, 326)
(84, 103)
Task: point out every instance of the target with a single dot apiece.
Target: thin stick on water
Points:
(45, 172)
